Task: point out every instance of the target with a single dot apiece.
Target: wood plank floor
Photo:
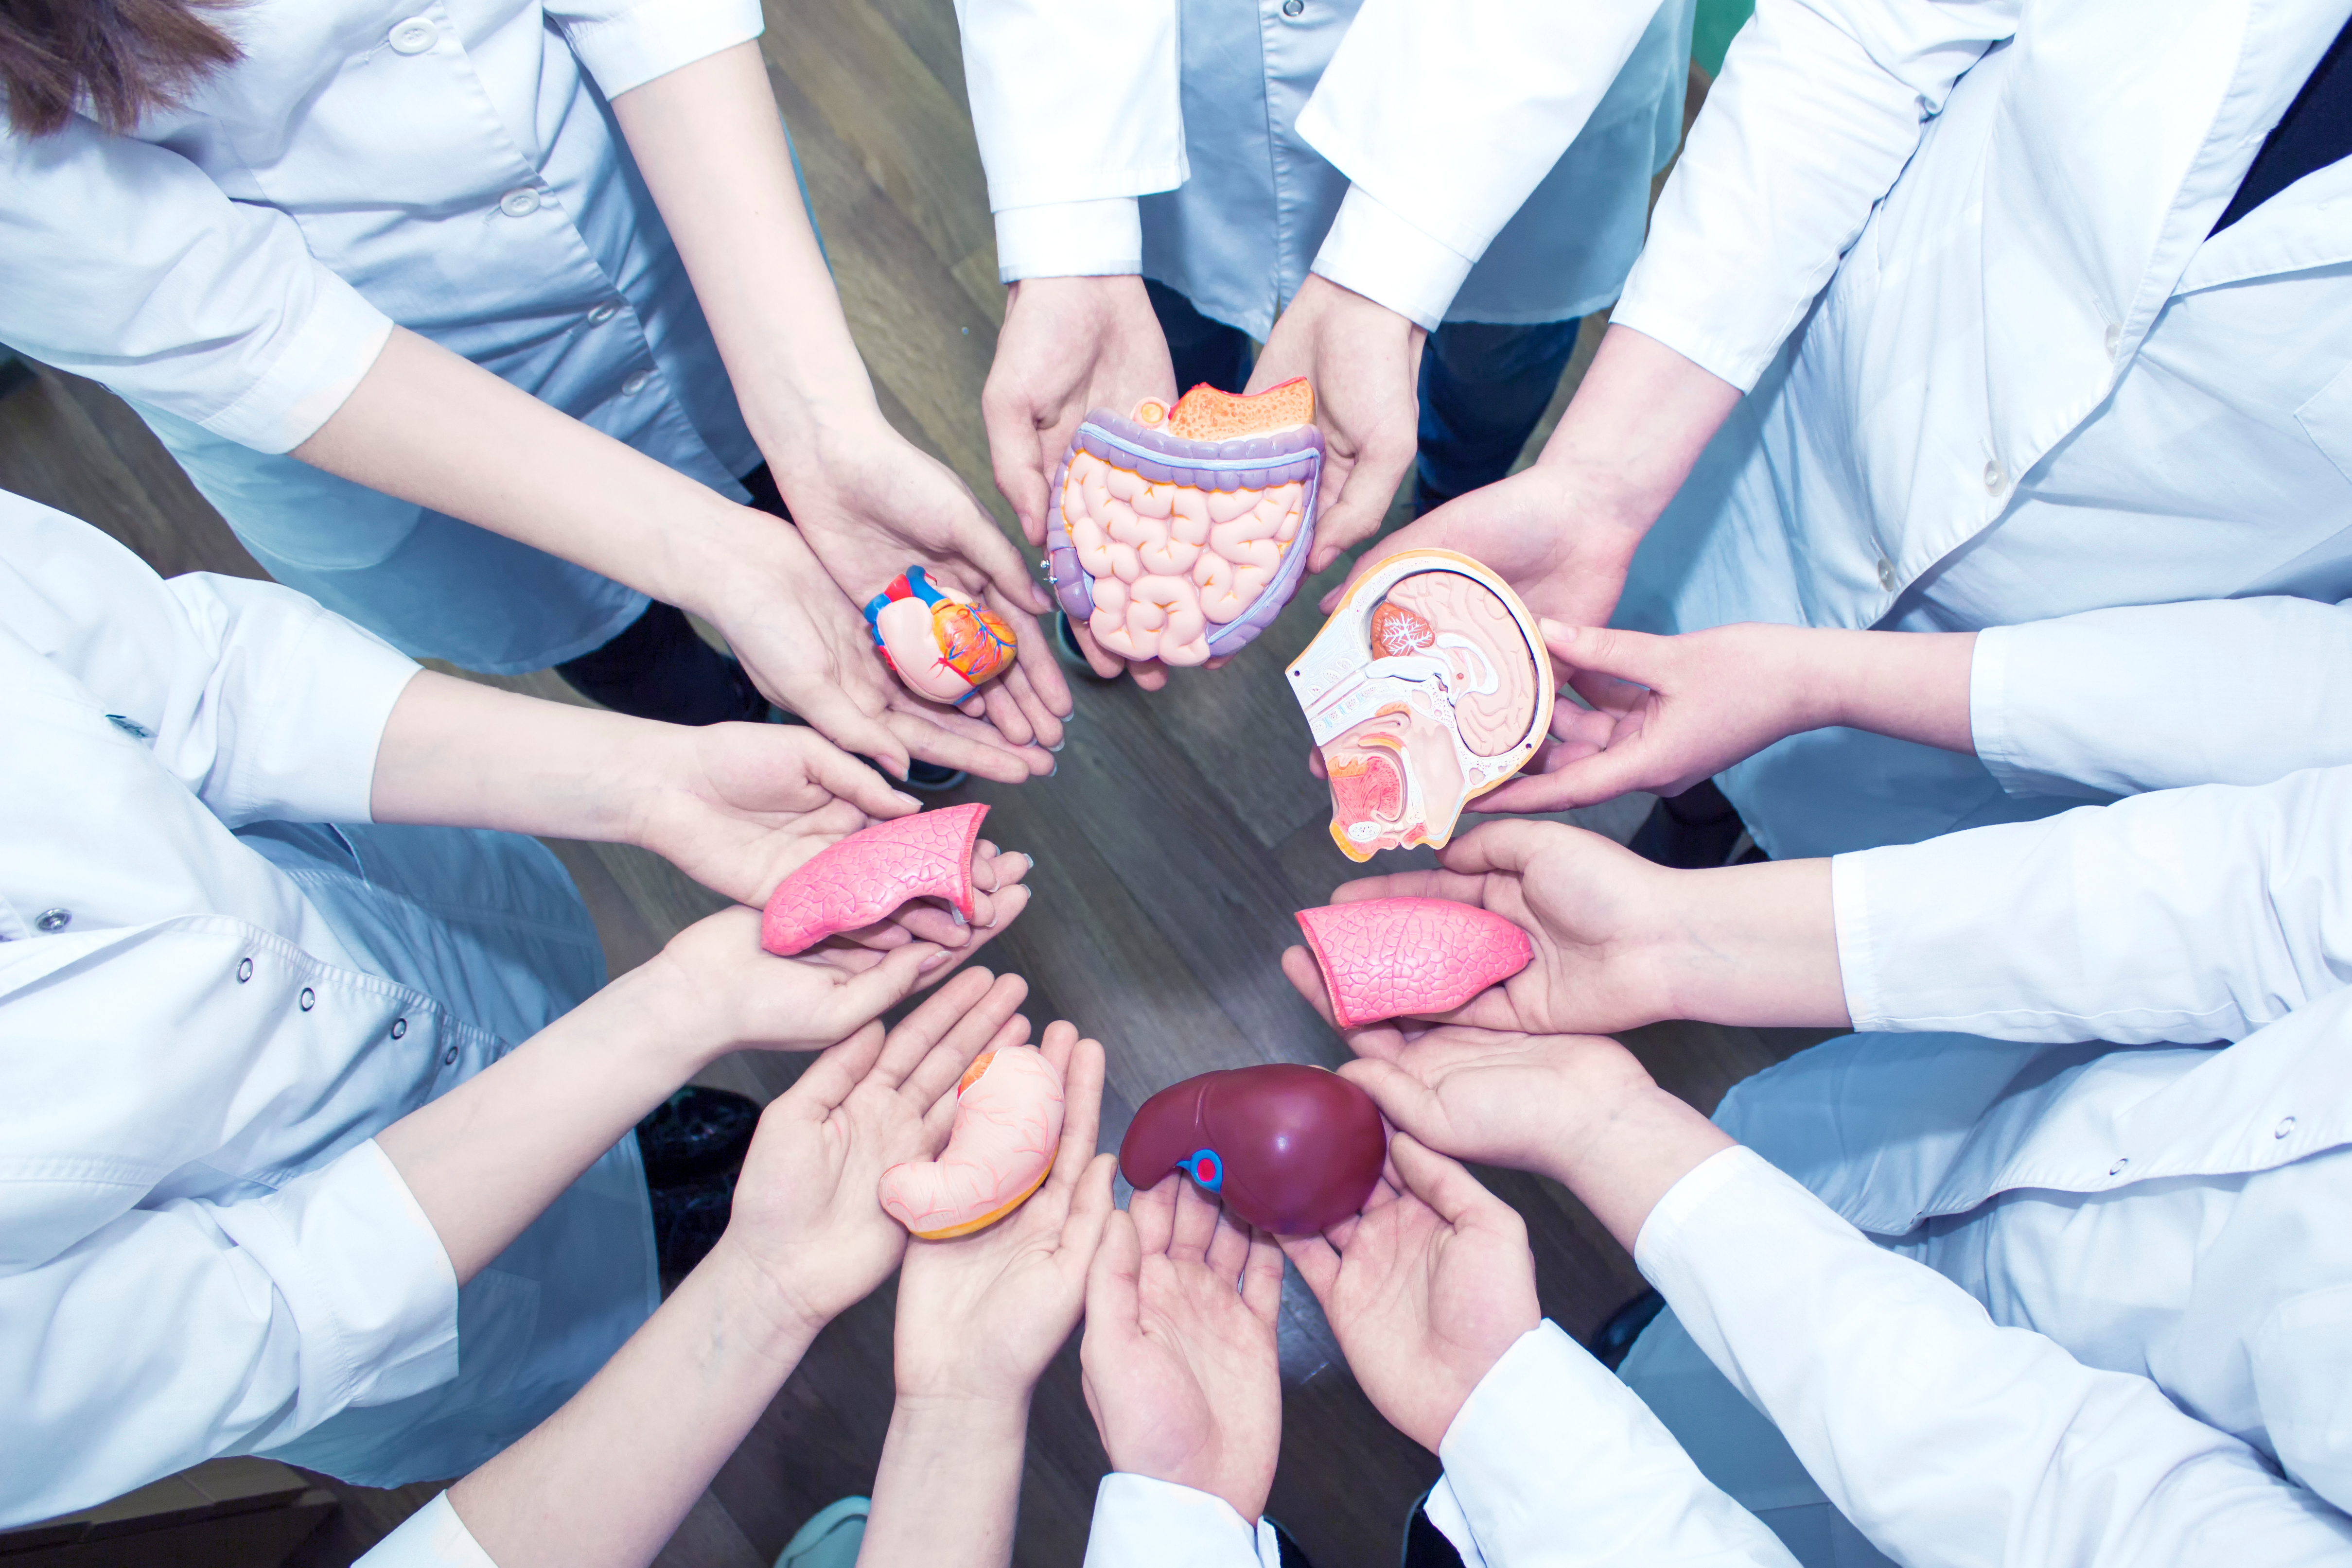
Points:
(1174, 845)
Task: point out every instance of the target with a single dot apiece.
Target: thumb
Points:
(1443, 1184)
(1409, 1104)
(1017, 457)
(846, 778)
(1354, 515)
(868, 994)
(832, 715)
(1633, 656)
(1510, 846)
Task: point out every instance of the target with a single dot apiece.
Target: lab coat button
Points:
(2287, 1125)
(1992, 474)
(414, 35)
(636, 383)
(52, 921)
(449, 1057)
(399, 1027)
(519, 203)
(1293, 8)
(243, 970)
(2114, 338)
(2117, 1168)
(602, 313)
(308, 999)
(1886, 574)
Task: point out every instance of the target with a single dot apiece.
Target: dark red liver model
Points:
(1290, 1149)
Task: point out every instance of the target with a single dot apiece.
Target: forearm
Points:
(711, 146)
(1751, 945)
(457, 754)
(949, 1485)
(1629, 437)
(1910, 685)
(430, 427)
(603, 1482)
(486, 1159)
(1623, 1146)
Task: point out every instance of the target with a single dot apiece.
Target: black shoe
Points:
(696, 1132)
(1066, 644)
(1624, 1326)
(660, 668)
(1693, 830)
(688, 1220)
(931, 779)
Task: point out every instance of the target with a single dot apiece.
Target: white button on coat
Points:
(519, 203)
(636, 383)
(414, 35)
(1886, 574)
(602, 313)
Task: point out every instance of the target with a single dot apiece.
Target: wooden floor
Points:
(1174, 846)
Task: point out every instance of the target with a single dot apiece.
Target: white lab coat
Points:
(2014, 201)
(208, 1008)
(1453, 161)
(233, 268)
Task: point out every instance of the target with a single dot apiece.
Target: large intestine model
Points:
(1177, 534)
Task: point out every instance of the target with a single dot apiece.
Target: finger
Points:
(1228, 1248)
(1154, 1208)
(834, 1075)
(1453, 886)
(1407, 1102)
(832, 715)
(1034, 663)
(1016, 459)
(1318, 1264)
(1007, 907)
(966, 1037)
(930, 1023)
(1444, 1184)
(1306, 975)
(1262, 1277)
(1037, 704)
(929, 736)
(1196, 1224)
(1363, 500)
(1090, 1211)
(1113, 1296)
(1635, 656)
(1005, 714)
(1315, 763)
(867, 995)
(1507, 846)
(933, 1081)
(1082, 1086)
(1383, 1041)
(846, 778)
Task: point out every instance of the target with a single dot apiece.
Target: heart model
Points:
(1289, 1149)
(870, 873)
(1008, 1120)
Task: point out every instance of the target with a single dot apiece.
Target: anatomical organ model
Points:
(1008, 1120)
(940, 643)
(1179, 534)
(1428, 686)
(1409, 957)
(871, 873)
(1290, 1149)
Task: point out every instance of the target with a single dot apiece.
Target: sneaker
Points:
(1066, 644)
(931, 779)
(1616, 1337)
(696, 1132)
(831, 1539)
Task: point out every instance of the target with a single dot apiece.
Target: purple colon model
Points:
(1289, 1149)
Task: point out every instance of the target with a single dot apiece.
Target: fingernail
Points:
(958, 913)
(1057, 746)
(934, 962)
(903, 798)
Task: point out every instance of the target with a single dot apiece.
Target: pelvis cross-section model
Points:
(1179, 534)
(1008, 1120)
(871, 873)
(940, 641)
(1410, 957)
(1428, 686)
(1290, 1149)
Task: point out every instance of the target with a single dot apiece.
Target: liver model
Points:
(1289, 1149)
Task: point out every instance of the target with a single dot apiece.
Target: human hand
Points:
(1069, 346)
(1179, 1356)
(805, 1217)
(1424, 1290)
(1364, 361)
(981, 1315)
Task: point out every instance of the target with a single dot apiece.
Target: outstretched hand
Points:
(1364, 361)
(1424, 1290)
(1179, 1356)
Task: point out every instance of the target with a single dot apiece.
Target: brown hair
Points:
(128, 56)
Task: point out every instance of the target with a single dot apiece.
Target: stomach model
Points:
(1008, 1120)
(1177, 534)
(940, 643)
(1289, 1149)
(1428, 686)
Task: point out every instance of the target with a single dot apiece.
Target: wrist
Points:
(666, 1018)
(771, 1323)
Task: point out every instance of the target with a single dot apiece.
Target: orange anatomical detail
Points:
(1205, 413)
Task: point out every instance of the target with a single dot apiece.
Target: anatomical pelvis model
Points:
(871, 873)
(1290, 1149)
(1008, 1120)
(1409, 957)
(1428, 686)
(940, 643)
(1177, 534)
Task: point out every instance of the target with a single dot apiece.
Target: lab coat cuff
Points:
(1373, 250)
(1718, 348)
(629, 46)
(1141, 1522)
(333, 340)
(1070, 239)
(363, 1275)
(432, 1537)
(1989, 728)
(1857, 952)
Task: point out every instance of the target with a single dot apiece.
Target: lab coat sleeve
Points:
(1943, 1436)
(1079, 109)
(126, 264)
(1446, 115)
(625, 44)
(191, 1329)
(1820, 105)
(267, 706)
(432, 1537)
(1141, 1522)
(1553, 1462)
(2188, 915)
(2114, 702)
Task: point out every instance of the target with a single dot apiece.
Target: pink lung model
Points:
(1408, 958)
(870, 873)
(1008, 1120)
(1179, 534)
(1428, 686)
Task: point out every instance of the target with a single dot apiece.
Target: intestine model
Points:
(940, 643)
(871, 873)
(1428, 686)
(1289, 1149)
(1008, 1120)
(1177, 534)
(1410, 957)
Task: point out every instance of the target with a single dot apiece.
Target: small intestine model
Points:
(1288, 1148)
(943, 643)
(1429, 686)
(1177, 534)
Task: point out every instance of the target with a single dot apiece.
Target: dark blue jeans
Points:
(1483, 387)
